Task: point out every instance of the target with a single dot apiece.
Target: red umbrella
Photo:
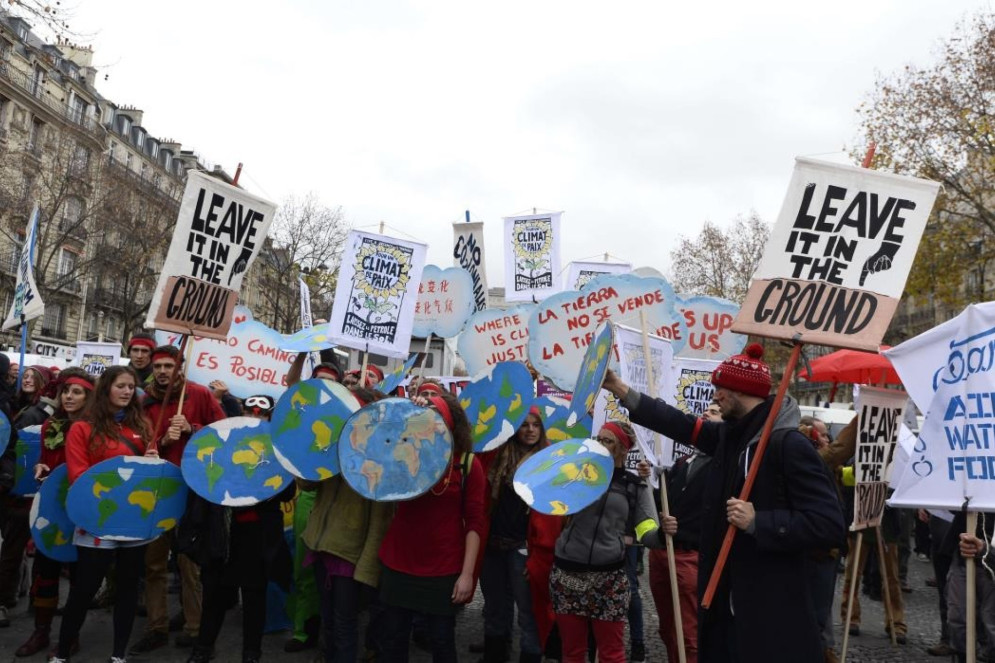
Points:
(852, 367)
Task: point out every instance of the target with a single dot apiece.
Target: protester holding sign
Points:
(115, 426)
(200, 408)
(794, 509)
(74, 392)
(502, 579)
(140, 348)
(430, 569)
(589, 583)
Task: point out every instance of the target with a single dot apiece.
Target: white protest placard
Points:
(581, 273)
(219, 232)
(468, 253)
(376, 293)
(954, 459)
(495, 335)
(836, 262)
(562, 325)
(445, 301)
(690, 390)
(95, 358)
(27, 304)
(531, 257)
(879, 420)
(632, 370)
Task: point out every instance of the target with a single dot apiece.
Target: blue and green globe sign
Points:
(128, 498)
(51, 527)
(231, 463)
(565, 477)
(306, 424)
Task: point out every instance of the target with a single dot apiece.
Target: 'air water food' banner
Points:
(219, 232)
(879, 413)
(468, 253)
(836, 263)
(532, 256)
(376, 294)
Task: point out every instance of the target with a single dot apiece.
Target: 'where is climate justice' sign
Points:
(837, 260)
(219, 232)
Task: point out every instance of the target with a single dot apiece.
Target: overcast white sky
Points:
(639, 119)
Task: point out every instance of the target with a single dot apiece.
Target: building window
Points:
(67, 262)
(22, 31)
(72, 212)
(54, 322)
(138, 136)
(124, 125)
(91, 324)
(38, 81)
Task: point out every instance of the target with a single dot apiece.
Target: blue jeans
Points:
(397, 635)
(504, 585)
(635, 600)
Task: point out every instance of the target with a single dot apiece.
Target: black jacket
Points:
(761, 610)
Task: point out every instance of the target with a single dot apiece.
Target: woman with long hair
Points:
(113, 425)
(73, 392)
(589, 584)
(431, 546)
(505, 553)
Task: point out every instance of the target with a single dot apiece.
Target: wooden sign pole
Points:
(854, 579)
(972, 611)
(889, 614)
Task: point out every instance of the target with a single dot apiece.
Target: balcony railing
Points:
(36, 88)
(54, 333)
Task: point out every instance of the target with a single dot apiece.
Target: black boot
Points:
(200, 655)
(495, 649)
(251, 657)
(529, 658)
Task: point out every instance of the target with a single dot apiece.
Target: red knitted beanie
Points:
(745, 373)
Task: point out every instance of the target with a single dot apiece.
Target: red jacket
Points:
(427, 536)
(200, 407)
(80, 456)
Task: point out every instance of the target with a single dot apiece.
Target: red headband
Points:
(535, 410)
(81, 382)
(443, 408)
(620, 434)
(431, 388)
(162, 354)
(143, 342)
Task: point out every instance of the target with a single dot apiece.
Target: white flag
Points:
(27, 300)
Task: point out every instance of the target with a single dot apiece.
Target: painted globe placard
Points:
(565, 477)
(393, 380)
(51, 527)
(231, 463)
(555, 414)
(394, 450)
(306, 424)
(592, 371)
(496, 403)
(309, 339)
(4, 432)
(128, 498)
(27, 454)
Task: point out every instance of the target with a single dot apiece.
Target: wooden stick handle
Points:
(854, 565)
(889, 615)
(972, 611)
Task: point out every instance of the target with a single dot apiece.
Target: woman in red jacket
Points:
(73, 392)
(113, 425)
(431, 548)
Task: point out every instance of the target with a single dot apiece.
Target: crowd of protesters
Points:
(570, 585)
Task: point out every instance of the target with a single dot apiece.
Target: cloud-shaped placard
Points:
(445, 301)
(709, 323)
(495, 335)
(561, 326)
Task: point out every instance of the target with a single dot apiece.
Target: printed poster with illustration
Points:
(580, 274)
(95, 358)
(376, 294)
(532, 256)
(219, 231)
(690, 390)
(835, 266)
(468, 253)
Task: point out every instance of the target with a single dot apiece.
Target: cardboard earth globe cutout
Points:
(27, 454)
(231, 463)
(565, 477)
(394, 450)
(51, 526)
(592, 372)
(496, 403)
(393, 380)
(128, 498)
(4, 432)
(309, 339)
(555, 413)
(306, 425)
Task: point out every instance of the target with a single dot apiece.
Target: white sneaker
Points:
(117, 659)
(56, 659)
(4, 617)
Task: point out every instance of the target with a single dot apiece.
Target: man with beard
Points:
(758, 613)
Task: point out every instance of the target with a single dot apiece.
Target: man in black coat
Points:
(762, 611)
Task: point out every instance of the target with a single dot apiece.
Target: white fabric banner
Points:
(376, 293)
(219, 232)
(531, 257)
(836, 263)
(632, 369)
(580, 273)
(27, 300)
(468, 253)
(953, 461)
(95, 358)
(690, 390)
(306, 319)
(879, 419)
